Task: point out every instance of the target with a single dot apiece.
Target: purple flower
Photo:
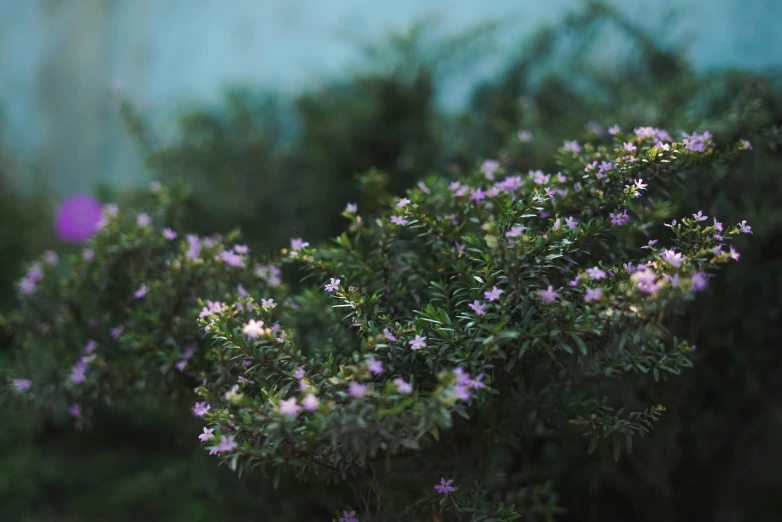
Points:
(489, 167)
(21, 384)
(77, 218)
(572, 146)
(570, 222)
(332, 285)
(593, 294)
(375, 366)
(141, 292)
(478, 307)
(253, 329)
(398, 220)
(699, 216)
(477, 383)
(524, 136)
(595, 273)
(298, 243)
(357, 390)
(348, 517)
(310, 402)
(388, 335)
(169, 234)
(78, 372)
(143, 220)
(180, 365)
(403, 386)
(444, 487)
(227, 444)
(289, 407)
(477, 195)
(699, 281)
(734, 254)
(515, 231)
(201, 408)
(50, 257)
(194, 247)
(268, 303)
(549, 294)
(672, 257)
(90, 346)
(74, 410)
(613, 131)
(403, 203)
(206, 435)
(351, 208)
(744, 228)
(299, 374)
(117, 331)
(629, 147)
(493, 294)
(649, 245)
(418, 342)
(231, 258)
(619, 218)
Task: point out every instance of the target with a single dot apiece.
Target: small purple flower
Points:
(629, 147)
(477, 194)
(169, 234)
(403, 386)
(50, 257)
(194, 247)
(289, 407)
(206, 435)
(141, 292)
(744, 228)
(388, 335)
(77, 218)
(444, 487)
(90, 346)
(734, 254)
(351, 208)
(593, 294)
(619, 218)
(117, 331)
(515, 231)
(548, 295)
(143, 220)
(418, 342)
(398, 220)
(74, 410)
(310, 402)
(672, 257)
(348, 517)
(357, 390)
(699, 216)
(402, 203)
(375, 366)
(22, 384)
(227, 444)
(232, 258)
(489, 167)
(493, 294)
(699, 281)
(201, 408)
(298, 243)
(650, 244)
(299, 374)
(572, 146)
(478, 307)
(253, 329)
(524, 136)
(570, 222)
(268, 303)
(332, 286)
(595, 273)
(613, 131)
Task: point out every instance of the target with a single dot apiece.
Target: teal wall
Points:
(61, 59)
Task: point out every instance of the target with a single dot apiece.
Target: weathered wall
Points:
(59, 58)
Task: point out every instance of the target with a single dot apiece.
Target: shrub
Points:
(435, 341)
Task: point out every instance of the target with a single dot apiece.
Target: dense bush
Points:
(459, 294)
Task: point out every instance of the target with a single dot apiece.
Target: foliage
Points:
(529, 346)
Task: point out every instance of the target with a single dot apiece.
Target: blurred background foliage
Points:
(281, 169)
